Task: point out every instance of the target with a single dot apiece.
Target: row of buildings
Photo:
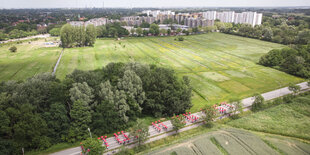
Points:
(191, 20)
(252, 18)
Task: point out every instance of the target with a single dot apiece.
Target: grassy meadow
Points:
(30, 59)
(220, 66)
(292, 119)
(233, 141)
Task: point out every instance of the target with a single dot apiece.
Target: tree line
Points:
(295, 61)
(43, 110)
(278, 30)
(77, 36)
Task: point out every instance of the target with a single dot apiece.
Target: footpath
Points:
(155, 135)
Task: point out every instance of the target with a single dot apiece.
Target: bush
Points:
(92, 146)
(180, 38)
(13, 49)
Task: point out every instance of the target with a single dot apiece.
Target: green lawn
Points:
(220, 66)
(291, 119)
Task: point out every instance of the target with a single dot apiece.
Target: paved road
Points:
(154, 135)
(57, 63)
(26, 38)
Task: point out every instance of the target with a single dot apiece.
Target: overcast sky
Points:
(147, 3)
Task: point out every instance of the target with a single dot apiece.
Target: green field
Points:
(235, 142)
(291, 119)
(30, 59)
(220, 66)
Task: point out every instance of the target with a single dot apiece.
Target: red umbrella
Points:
(118, 133)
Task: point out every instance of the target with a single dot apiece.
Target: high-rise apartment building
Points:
(251, 18)
(210, 15)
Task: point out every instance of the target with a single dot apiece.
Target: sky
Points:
(148, 3)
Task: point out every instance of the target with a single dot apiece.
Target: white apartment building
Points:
(95, 22)
(252, 18)
(209, 15)
(155, 13)
(259, 17)
(226, 17)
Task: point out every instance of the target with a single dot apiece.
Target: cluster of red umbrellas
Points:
(194, 118)
(163, 125)
(88, 150)
(156, 127)
(104, 141)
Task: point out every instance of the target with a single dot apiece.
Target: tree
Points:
(145, 32)
(267, 33)
(131, 84)
(132, 31)
(154, 29)
(140, 131)
(178, 122)
(92, 146)
(13, 49)
(90, 35)
(303, 37)
(165, 93)
(179, 30)
(272, 58)
(67, 36)
(55, 31)
(82, 92)
(79, 36)
(294, 88)
(236, 106)
(210, 114)
(57, 122)
(258, 102)
(163, 31)
(169, 32)
(80, 120)
(139, 31)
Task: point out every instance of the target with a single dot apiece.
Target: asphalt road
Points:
(155, 135)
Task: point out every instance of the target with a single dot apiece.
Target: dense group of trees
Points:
(21, 30)
(295, 61)
(43, 110)
(279, 30)
(77, 36)
(111, 30)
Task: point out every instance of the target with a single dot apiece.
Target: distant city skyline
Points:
(148, 3)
